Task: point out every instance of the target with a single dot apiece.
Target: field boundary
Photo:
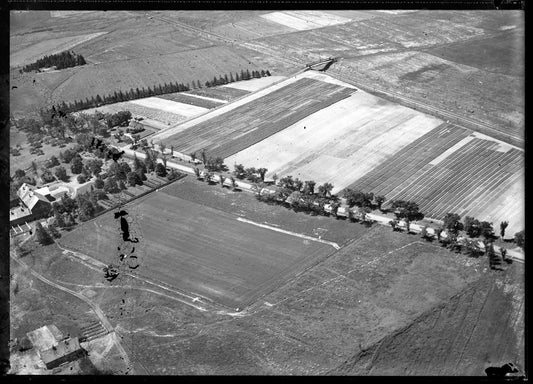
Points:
(334, 245)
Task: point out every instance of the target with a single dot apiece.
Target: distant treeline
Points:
(132, 94)
(61, 60)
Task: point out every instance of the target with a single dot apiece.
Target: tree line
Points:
(133, 94)
(61, 60)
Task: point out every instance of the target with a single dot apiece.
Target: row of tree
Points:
(160, 89)
(61, 60)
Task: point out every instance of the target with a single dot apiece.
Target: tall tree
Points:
(42, 235)
(452, 222)
(503, 226)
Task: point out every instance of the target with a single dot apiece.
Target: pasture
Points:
(201, 250)
(449, 169)
(340, 143)
(224, 94)
(236, 129)
(303, 20)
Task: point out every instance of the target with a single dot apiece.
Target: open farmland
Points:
(220, 93)
(252, 28)
(247, 124)
(201, 250)
(340, 143)
(303, 20)
(449, 169)
(203, 102)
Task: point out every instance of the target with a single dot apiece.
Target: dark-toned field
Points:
(449, 170)
(250, 123)
(201, 250)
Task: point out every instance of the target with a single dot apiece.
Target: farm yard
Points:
(449, 169)
(340, 143)
(247, 124)
(201, 250)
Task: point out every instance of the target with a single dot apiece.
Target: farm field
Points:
(303, 20)
(170, 106)
(203, 102)
(254, 84)
(252, 28)
(340, 143)
(201, 250)
(247, 124)
(492, 97)
(449, 169)
(224, 94)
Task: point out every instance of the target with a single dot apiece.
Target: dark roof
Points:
(63, 348)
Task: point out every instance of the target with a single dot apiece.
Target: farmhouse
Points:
(33, 205)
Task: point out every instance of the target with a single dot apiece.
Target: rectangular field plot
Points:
(170, 106)
(200, 250)
(203, 102)
(252, 28)
(247, 124)
(450, 170)
(340, 143)
(220, 93)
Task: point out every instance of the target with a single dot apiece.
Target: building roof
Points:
(45, 337)
(29, 196)
(63, 348)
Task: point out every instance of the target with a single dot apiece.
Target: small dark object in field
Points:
(501, 371)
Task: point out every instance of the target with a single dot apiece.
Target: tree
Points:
(133, 179)
(47, 176)
(216, 164)
(486, 230)
(520, 239)
(43, 237)
(394, 224)
(233, 183)
(77, 165)
(149, 163)
(503, 226)
(407, 210)
(61, 174)
(262, 172)
(309, 187)
(99, 183)
(95, 166)
(81, 179)
(203, 155)
(53, 162)
(173, 175)
(52, 229)
(111, 185)
(222, 178)
(197, 172)
(325, 189)
(472, 226)
(239, 171)
(160, 170)
(19, 173)
(59, 220)
(192, 156)
(452, 222)
(380, 199)
(438, 232)
(424, 233)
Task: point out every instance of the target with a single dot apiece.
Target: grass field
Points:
(450, 170)
(340, 143)
(254, 84)
(247, 124)
(201, 250)
(170, 106)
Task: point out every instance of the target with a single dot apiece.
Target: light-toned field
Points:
(49, 47)
(170, 106)
(340, 143)
(136, 109)
(255, 84)
(252, 28)
(303, 20)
